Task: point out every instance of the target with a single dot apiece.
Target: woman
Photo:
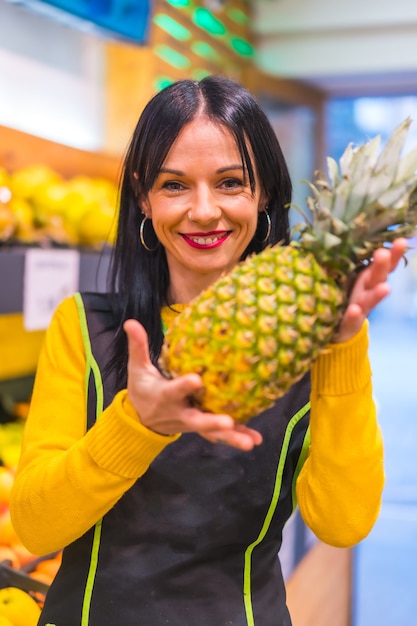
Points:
(168, 515)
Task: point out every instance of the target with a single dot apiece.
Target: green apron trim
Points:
(302, 457)
(90, 367)
(247, 593)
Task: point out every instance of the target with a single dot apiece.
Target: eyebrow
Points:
(221, 170)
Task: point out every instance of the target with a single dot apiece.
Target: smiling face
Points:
(202, 207)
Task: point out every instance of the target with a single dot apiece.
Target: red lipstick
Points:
(205, 241)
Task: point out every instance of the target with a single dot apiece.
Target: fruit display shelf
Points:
(92, 275)
(20, 347)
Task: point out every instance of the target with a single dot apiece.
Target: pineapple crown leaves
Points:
(368, 199)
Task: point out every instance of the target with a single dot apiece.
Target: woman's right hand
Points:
(163, 404)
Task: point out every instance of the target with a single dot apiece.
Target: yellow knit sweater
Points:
(68, 478)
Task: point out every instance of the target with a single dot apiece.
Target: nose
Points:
(204, 209)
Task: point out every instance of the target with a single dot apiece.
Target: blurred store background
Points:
(74, 77)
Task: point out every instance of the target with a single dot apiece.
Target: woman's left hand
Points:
(370, 288)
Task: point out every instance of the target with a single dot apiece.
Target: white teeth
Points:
(204, 241)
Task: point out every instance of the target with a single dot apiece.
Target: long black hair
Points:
(139, 279)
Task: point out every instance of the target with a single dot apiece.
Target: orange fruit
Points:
(49, 566)
(8, 554)
(8, 534)
(21, 409)
(42, 577)
(6, 484)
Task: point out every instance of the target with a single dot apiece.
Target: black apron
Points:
(195, 541)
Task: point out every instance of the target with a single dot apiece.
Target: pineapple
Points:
(258, 329)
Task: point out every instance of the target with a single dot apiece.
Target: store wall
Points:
(85, 91)
(312, 40)
(51, 79)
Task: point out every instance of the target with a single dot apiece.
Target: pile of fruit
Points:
(39, 206)
(24, 577)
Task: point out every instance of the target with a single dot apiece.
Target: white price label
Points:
(49, 277)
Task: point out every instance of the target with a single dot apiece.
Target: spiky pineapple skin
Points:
(255, 332)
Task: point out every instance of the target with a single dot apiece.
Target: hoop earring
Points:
(268, 226)
(142, 239)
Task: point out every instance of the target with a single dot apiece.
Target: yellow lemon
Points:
(106, 190)
(19, 607)
(26, 181)
(97, 227)
(23, 212)
(81, 196)
(49, 199)
(74, 208)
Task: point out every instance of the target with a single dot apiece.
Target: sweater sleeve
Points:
(340, 486)
(67, 478)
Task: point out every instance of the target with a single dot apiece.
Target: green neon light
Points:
(238, 16)
(206, 20)
(179, 3)
(242, 47)
(171, 26)
(205, 50)
(171, 56)
(161, 82)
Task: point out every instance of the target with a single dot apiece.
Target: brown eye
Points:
(232, 183)
(172, 186)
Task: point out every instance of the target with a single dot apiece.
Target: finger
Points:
(187, 385)
(240, 435)
(240, 440)
(137, 341)
(385, 260)
(370, 298)
(207, 423)
(375, 296)
(255, 434)
(398, 250)
(378, 270)
(233, 438)
(354, 317)
(352, 321)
